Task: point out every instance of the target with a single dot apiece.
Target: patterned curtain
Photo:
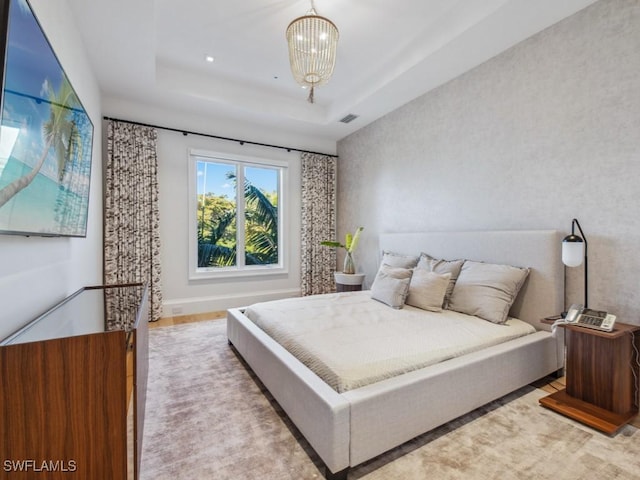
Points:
(318, 223)
(131, 217)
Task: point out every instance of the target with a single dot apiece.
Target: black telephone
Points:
(585, 317)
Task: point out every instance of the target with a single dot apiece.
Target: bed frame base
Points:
(348, 429)
(341, 475)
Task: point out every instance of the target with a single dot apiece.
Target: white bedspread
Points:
(350, 340)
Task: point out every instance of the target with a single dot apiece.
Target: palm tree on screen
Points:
(60, 132)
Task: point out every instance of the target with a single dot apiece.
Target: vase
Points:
(349, 266)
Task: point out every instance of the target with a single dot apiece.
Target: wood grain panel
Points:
(599, 369)
(587, 413)
(51, 391)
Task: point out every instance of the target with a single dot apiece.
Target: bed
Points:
(353, 425)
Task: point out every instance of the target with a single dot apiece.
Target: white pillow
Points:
(390, 290)
(391, 285)
(487, 290)
(393, 271)
(427, 289)
(398, 260)
(442, 266)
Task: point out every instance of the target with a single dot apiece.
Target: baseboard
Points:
(214, 303)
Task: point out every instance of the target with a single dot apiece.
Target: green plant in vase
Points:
(350, 244)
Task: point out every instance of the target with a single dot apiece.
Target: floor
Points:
(547, 384)
(199, 317)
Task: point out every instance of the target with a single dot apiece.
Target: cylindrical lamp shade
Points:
(312, 43)
(572, 251)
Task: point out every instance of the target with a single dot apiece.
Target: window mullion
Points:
(240, 219)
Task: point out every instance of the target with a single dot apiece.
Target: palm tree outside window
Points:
(238, 221)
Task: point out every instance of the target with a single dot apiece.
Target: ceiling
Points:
(389, 52)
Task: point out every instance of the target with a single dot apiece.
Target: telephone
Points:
(585, 317)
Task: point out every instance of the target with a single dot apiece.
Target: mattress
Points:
(350, 340)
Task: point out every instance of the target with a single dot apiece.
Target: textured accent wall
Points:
(547, 131)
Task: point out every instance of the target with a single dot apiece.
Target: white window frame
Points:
(240, 269)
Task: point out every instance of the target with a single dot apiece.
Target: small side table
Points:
(348, 282)
(601, 390)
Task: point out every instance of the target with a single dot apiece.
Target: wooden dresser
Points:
(68, 406)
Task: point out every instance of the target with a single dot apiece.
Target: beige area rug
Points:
(208, 417)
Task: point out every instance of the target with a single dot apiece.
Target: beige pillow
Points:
(393, 271)
(392, 291)
(398, 260)
(487, 290)
(442, 266)
(391, 285)
(427, 289)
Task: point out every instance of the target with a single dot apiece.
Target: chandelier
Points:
(313, 41)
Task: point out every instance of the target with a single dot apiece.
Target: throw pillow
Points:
(427, 289)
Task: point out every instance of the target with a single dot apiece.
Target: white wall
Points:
(36, 272)
(545, 132)
(184, 296)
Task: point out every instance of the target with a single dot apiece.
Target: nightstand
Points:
(348, 282)
(600, 383)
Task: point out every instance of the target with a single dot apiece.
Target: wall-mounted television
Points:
(46, 136)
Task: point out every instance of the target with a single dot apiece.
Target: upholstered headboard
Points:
(542, 294)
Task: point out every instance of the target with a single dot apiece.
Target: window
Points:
(236, 220)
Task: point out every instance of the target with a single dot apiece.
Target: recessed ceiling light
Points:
(209, 58)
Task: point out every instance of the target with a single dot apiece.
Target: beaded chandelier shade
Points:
(313, 41)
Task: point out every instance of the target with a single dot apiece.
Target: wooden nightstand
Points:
(600, 384)
(348, 282)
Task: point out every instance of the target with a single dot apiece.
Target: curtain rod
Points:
(241, 142)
